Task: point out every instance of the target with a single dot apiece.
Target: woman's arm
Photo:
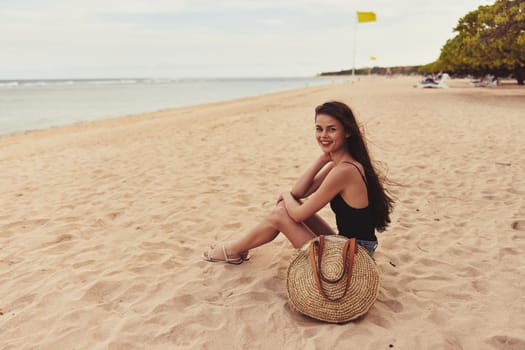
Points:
(333, 184)
(312, 178)
(318, 180)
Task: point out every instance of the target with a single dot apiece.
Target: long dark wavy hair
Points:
(379, 200)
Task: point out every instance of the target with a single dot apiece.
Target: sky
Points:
(46, 39)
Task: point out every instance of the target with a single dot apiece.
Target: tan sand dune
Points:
(103, 224)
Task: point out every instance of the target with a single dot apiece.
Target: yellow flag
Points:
(366, 17)
(372, 58)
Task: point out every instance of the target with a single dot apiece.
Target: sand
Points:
(103, 223)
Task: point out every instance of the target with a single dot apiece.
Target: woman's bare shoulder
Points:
(350, 163)
(350, 167)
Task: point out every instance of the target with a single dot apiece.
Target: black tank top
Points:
(353, 222)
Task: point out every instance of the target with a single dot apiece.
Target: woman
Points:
(342, 176)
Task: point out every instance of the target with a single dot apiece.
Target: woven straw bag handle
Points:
(349, 250)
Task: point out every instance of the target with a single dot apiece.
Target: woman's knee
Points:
(278, 217)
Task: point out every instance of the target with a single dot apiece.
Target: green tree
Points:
(489, 39)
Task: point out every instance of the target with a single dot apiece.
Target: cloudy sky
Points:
(217, 38)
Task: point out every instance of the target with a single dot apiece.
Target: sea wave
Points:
(37, 104)
(33, 83)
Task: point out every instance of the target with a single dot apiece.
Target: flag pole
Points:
(361, 17)
(355, 48)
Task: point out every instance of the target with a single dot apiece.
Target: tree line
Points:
(490, 39)
(403, 70)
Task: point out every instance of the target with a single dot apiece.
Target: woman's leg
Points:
(269, 228)
(317, 225)
(277, 221)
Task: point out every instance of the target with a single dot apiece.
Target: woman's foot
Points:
(220, 254)
(245, 255)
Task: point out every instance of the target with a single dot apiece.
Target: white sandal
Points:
(227, 259)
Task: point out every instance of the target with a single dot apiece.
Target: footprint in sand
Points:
(519, 225)
(506, 342)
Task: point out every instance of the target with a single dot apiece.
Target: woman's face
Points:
(330, 133)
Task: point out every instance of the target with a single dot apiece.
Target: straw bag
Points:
(332, 279)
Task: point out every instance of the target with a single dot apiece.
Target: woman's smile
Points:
(330, 133)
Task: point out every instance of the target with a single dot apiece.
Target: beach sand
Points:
(103, 223)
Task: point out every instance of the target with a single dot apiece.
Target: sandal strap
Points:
(227, 257)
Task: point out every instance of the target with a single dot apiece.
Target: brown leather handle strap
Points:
(344, 258)
(313, 264)
(349, 251)
(320, 251)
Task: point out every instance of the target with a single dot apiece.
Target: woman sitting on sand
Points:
(342, 176)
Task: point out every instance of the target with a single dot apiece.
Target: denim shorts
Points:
(370, 246)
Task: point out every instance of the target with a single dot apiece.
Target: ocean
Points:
(39, 104)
